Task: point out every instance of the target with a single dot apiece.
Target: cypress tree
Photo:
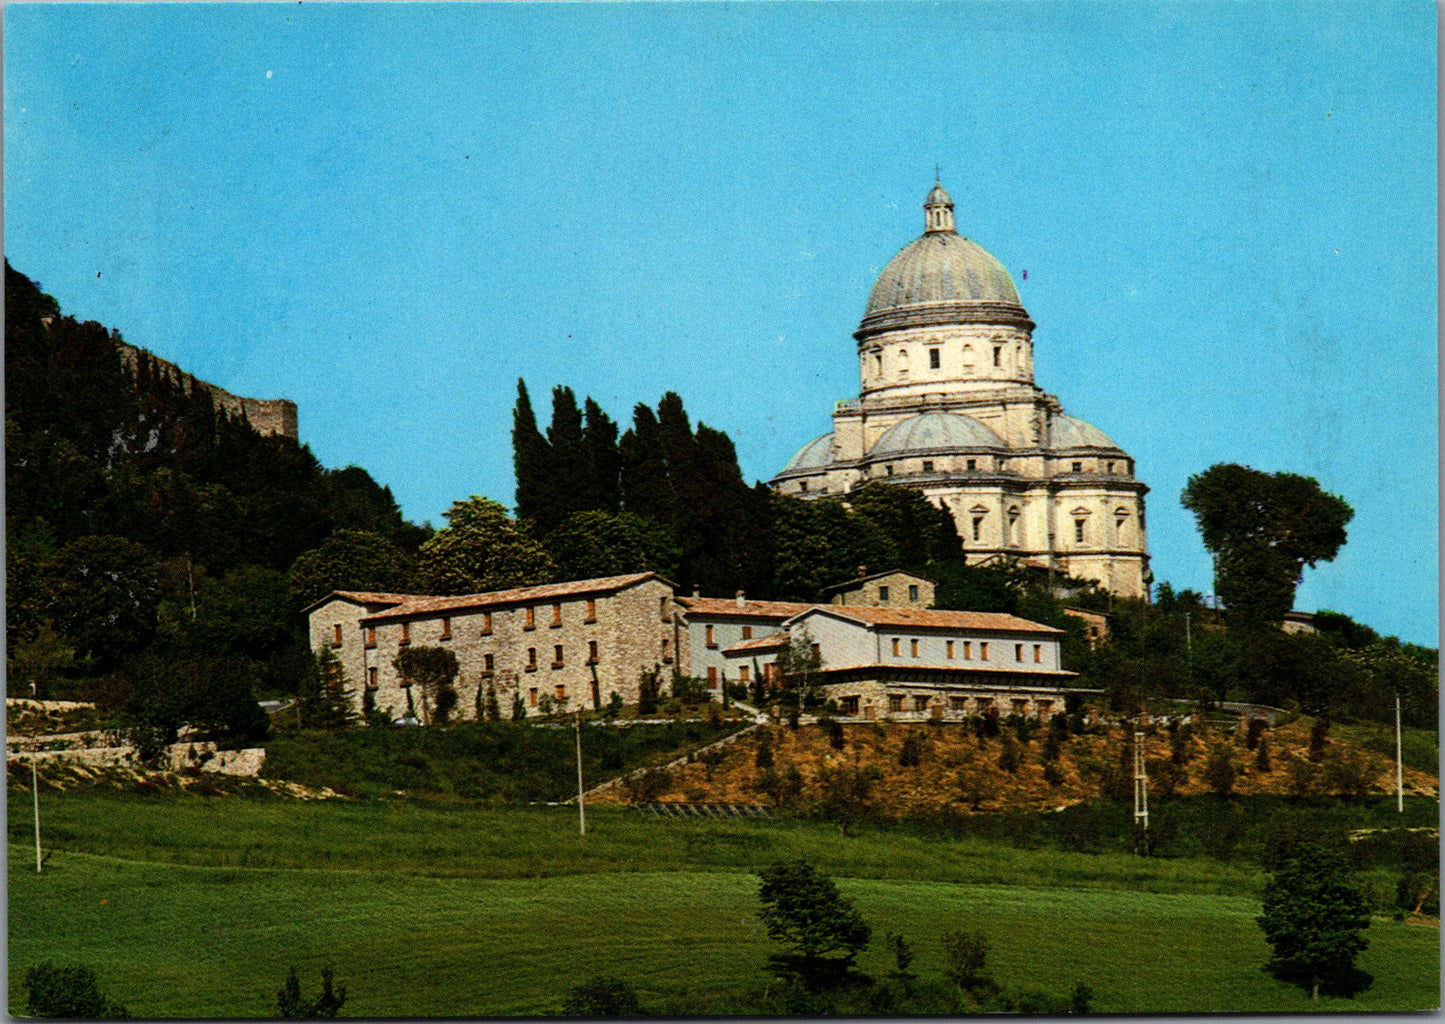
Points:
(531, 459)
(599, 490)
(646, 490)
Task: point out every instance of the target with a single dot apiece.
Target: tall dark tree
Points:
(1263, 529)
(568, 466)
(820, 543)
(646, 489)
(921, 532)
(599, 489)
(822, 931)
(531, 459)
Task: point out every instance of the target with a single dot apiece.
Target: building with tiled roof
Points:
(948, 405)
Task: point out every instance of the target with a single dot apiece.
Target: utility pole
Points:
(1141, 797)
(581, 803)
(35, 794)
(1399, 763)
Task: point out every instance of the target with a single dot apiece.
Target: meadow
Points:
(195, 906)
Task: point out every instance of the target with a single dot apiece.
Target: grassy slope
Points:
(441, 911)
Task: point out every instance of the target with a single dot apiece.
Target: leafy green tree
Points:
(347, 560)
(1263, 529)
(821, 542)
(965, 954)
(68, 992)
(322, 699)
(846, 793)
(1313, 914)
(481, 549)
(919, 531)
(433, 671)
(291, 1005)
(102, 596)
(600, 996)
(821, 929)
(587, 545)
(1219, 771)
(39, 660)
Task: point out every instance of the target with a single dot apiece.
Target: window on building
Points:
(489, 663)
(802, 485)
(998, 355)
(1002, 465)
(895, 702)
(958, 703)
(1110, 466)
(336, 635)
(983, 650)
(848, 705)
(370, 636)
(934, 359)
(486, 623)
(888, 469)
(913, 591)
(878, 364)
(927, 466)
(372, 682)
(1038, 652)
(972, 465)
(968, 650)
(920, 703)
(708, 637)
(903, 362)
(532, 696)
(557, 656)
(592, 658)
(745, 674)
(446, 628)
(1020, 705)
(769, 674)
(882, 595)
(897, 646)
(1018, 652)
(562, 691)
(1078, 467)
(983, 703)
(747, 632)
(913, 648)
(666, 652)
(406, 632)
(712, 677)
(591, 610)
(556, 613)
(977, 527)
(662, 607)
(531, 659)
(817, 652)
(1078, 531)
(1045, 707)
(948, 649)
(530, 621)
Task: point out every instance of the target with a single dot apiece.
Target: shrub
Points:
(1319, 736)
(835, 734)
(1261, 756)
(1418, 892)
(291, 1005)
(1053, 775)
(1008, 755)
(910, 755)
(1346, 773)
(1219, 771)
(1052, 747)
(614, 705)
(648, 785)
(602, 997)
(763, 758)
(70, 992)
(1255, 731)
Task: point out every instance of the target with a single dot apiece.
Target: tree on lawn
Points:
(822, 930)
(1313, 915)
(433, 671)
(1263, 530)
(480, 549)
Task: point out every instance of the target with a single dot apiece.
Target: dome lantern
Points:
(938, 211)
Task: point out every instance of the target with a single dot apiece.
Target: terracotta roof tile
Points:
(1021, 674)
(759, 643)
(750, 609)
(417, 605)
(931, 619)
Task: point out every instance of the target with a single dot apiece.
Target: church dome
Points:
(816, 454)
(1068, 432)
(935, 431)
(941, 277)
(941, 266)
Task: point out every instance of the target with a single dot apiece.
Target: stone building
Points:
(948, 405)
(908, 663)
(577, 643)
(896, 589)
(269, 417)
(710, 625)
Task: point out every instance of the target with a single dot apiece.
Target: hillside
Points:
(961, 771)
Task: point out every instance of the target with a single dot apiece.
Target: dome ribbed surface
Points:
(941, 266)
(936, 431)
(1067, 432)
(816, 454)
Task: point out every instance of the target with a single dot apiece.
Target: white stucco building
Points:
(948, 405)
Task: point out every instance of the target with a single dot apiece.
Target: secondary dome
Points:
(935, 431)
(816, 454)
(1068, 432)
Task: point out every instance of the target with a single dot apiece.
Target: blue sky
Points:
(389, 213)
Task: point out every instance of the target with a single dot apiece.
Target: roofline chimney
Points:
(742, 599)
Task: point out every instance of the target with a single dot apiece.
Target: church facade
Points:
(948, 405)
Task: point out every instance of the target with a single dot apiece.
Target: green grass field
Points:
(192, 906)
